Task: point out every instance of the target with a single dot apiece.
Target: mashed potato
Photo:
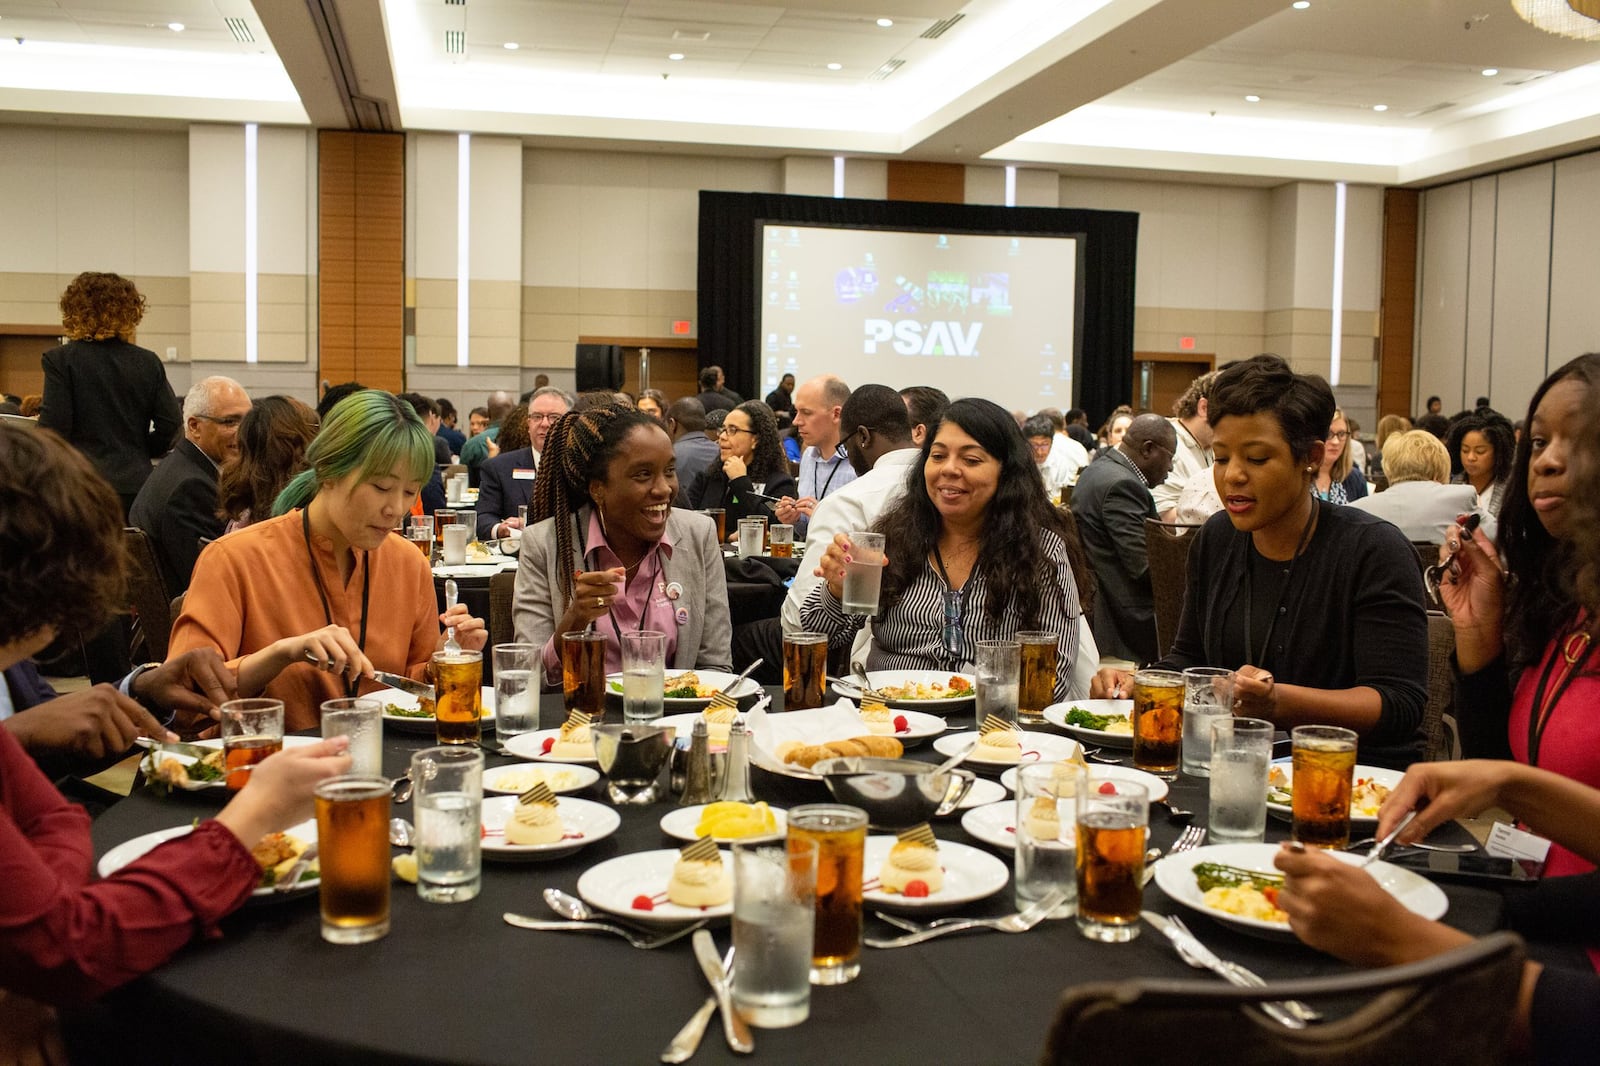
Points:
(1246, 902)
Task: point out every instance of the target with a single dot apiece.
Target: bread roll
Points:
(808, 755)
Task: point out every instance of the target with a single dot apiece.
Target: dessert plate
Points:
(585, 821)
(920, 727)
(679, 704)
(1056, 714)
(680, 823)
(994, 823)
(516, 779)
(982, 793)
(1175, 874)
(402, 723)
(129, 850)
(531, 746)
(1036, 747)
(880, 679)
(969, 874)
(1284, 808)
(1153, 785)
(613, 885)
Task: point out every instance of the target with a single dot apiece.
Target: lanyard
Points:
(322, 593)
(954, 634)
(1573, 653)
(1283, 593)
(835, 470)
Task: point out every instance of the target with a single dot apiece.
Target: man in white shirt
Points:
(1053, 470)
(817, 407)
(877, 439)
(1066, 455)
(1194, 445)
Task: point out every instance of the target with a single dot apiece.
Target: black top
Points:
(1357, 580)
(500, 491)
(714, 400)
(1110, 504)
(176, 507)
(112, 401)
(1483, 710)
(712, 488)
(780, 401)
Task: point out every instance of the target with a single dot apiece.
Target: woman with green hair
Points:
(307, 603)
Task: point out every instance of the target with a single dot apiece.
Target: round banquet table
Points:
(456, 984)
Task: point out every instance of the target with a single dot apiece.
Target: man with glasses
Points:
(507, 480)
(177, 507)
(823, 465)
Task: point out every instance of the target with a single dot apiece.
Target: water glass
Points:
(1038, 680)
(998, 669)
(353, 857)
(1112, 827)
(1047, 845)
(522, 514)
(1324, 773)
(362, 721)
(863, 574)
(782, 540)
(1241, 756)
(774, 922)
(252, 730)
(644, 664)
(470, 520)
(455, 545)
(840, 833)
(1207, 696)
(752, 536)
(516, 690)
(449, 810)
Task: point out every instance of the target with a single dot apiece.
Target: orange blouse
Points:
(254, 586)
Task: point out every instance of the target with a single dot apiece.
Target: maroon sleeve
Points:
(63, 940)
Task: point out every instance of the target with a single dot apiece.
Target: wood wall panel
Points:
(1397, 301)
(940, 183)
(361, 258)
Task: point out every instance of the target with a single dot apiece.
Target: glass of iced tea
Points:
(458, 696)
(841, 836)
(353, 855)
(720, 517)
(583, 673)
(782, 538)
(1158, 722)
(442, 517)
(1112, 826)
(419, 531)
(1038, 689)
(1324, 770)
(805, 670)
(251, 731)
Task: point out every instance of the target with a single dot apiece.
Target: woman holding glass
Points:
(605, 547)
(305, 604)
(1287, 589)
(974, 552)
(751, 470)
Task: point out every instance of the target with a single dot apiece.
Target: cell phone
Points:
(1473, 867)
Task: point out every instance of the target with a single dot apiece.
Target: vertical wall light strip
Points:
(463, 225)
(1338, 283)
(250, 237)
(838, 177)
(1011, 186)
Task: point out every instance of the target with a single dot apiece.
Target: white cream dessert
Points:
(575, 741)
(912, 867)
(998, 741)
(875, 716)
(535, 819)
(1043, 821)
(718, 721)
(699, 878)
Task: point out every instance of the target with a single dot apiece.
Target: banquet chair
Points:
(1454, 1008)
(1167, 547)
(1441, 739)
(147, 595)
(502, 588)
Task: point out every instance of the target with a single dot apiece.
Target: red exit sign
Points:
(1186, 343)
(682, 327)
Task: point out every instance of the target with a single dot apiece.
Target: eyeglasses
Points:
(1342, 434)
(231, 422)
(726, 430)
(542, 418)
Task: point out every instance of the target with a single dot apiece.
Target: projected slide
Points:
(975, 315)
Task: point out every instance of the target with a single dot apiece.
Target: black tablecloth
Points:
(454, 983)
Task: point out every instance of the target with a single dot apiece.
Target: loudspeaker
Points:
(599, 367)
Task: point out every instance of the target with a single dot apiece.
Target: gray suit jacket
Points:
(705, 633)
(1111, 503)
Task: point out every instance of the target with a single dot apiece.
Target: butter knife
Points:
(1198, 955)
(687, 1041)
(404, 684)
(733, 1026)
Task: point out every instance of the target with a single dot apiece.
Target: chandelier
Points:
(1578, 19)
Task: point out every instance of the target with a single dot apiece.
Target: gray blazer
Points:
(705, 633)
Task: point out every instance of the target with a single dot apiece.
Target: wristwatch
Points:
(161, 713)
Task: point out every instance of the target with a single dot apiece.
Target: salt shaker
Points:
(697, 779)
(736, 779)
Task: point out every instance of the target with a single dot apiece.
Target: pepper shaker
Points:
(736, 778)
(697, 779)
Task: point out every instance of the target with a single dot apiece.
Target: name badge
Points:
(524, 474)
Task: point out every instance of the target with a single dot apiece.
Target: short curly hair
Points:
(60, 535)
(98, 307)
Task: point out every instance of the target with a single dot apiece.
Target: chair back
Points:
(1438, 727)
(450, 470)
(502, 588)
(1167, 546)
(147, 596)
(1455, 1008)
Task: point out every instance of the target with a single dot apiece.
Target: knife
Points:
(1197, 954)
(404, 684)
(733, 1026)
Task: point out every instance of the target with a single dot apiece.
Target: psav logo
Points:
(910, 337)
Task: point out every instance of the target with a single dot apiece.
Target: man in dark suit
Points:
(178, 505)
(507, 480)
(1111, 501)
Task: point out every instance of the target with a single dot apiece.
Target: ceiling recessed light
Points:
(675, 56)
(1300, 5)
(1489, 72)
(835, 66)
(1380, 107)
(886, 23)
(175, 27)
(511, 46)
(1253, 99)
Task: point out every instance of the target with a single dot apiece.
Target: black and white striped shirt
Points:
(911, 635)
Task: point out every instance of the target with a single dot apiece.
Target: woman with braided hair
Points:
(605, 546)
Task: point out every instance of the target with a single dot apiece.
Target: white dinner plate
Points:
(879, 678)
(1174, 873)
(531, 746)
(919, 727)
(678, 705)
(517, 778)
(969, 874)
(129, 850)
(1387, 778)
(1056, 714)
(1036, 747)
(1153, 785)
(613, 885)
(681, 823)
(585, 821)
(982, 793)
(994, 824)
(402, 724)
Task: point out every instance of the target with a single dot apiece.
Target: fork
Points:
(1011, 923)
(638, 940)
(720, 700)
(1188, 840)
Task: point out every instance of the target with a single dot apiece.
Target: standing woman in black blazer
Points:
(104, 394)
(752, 466)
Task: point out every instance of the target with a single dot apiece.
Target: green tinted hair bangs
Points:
(369, 433)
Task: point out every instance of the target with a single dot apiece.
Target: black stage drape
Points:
(729, 242)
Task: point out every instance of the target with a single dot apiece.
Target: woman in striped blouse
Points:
(975, 552)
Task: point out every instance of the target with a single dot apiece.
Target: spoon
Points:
(727, 690)
(401, 788)
(568, 906)
(858, 669)
(401, 832)
(451, 597)
(1177, 815)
